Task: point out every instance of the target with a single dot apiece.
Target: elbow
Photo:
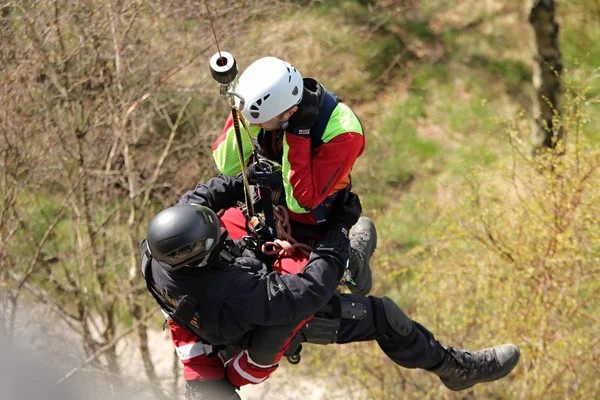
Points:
(302, 204)
(323, 291)
(309, 203)
(325, 297)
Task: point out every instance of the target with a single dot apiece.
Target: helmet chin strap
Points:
(216, 251)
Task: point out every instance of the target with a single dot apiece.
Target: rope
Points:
(286, 245)
(212, 26)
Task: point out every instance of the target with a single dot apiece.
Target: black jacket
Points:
(240, 301)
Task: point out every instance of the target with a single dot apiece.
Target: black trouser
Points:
(404, 341)
(417, 350)
(210, 390)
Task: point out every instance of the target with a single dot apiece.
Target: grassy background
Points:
(465, 218)
(476, 240)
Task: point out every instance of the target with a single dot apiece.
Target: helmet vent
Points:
(272, 79)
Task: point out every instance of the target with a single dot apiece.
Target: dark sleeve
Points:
(280, 299)
(218, 193)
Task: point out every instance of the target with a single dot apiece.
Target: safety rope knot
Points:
(285, 245)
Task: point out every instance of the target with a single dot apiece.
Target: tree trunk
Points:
(546, 74)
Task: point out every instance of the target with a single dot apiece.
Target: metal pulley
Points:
(223, 68)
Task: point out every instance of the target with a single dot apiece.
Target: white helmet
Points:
(269, 87)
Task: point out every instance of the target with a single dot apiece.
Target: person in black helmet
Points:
(232, 317)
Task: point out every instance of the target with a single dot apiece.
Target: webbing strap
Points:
(330, 101)
(267, 205)
(186, 309)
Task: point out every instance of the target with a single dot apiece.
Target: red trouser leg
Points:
(242, 370)
(193, 355)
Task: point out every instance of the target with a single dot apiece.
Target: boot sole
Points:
(508, 371)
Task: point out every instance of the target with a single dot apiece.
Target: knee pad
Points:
(392, 323)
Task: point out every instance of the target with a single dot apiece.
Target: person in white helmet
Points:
(315, 138)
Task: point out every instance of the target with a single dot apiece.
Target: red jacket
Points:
(311, 171)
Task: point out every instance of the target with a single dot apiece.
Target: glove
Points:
(345, 212)
(305, 116)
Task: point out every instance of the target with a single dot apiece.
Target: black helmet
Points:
(183, 235)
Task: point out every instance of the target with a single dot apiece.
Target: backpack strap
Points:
(183, 313)
(329, 103)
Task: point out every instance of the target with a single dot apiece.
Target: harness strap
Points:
(329, 103)
(267, 205)
(184, 313)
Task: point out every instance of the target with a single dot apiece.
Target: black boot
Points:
(363, 241)
(462, 369)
